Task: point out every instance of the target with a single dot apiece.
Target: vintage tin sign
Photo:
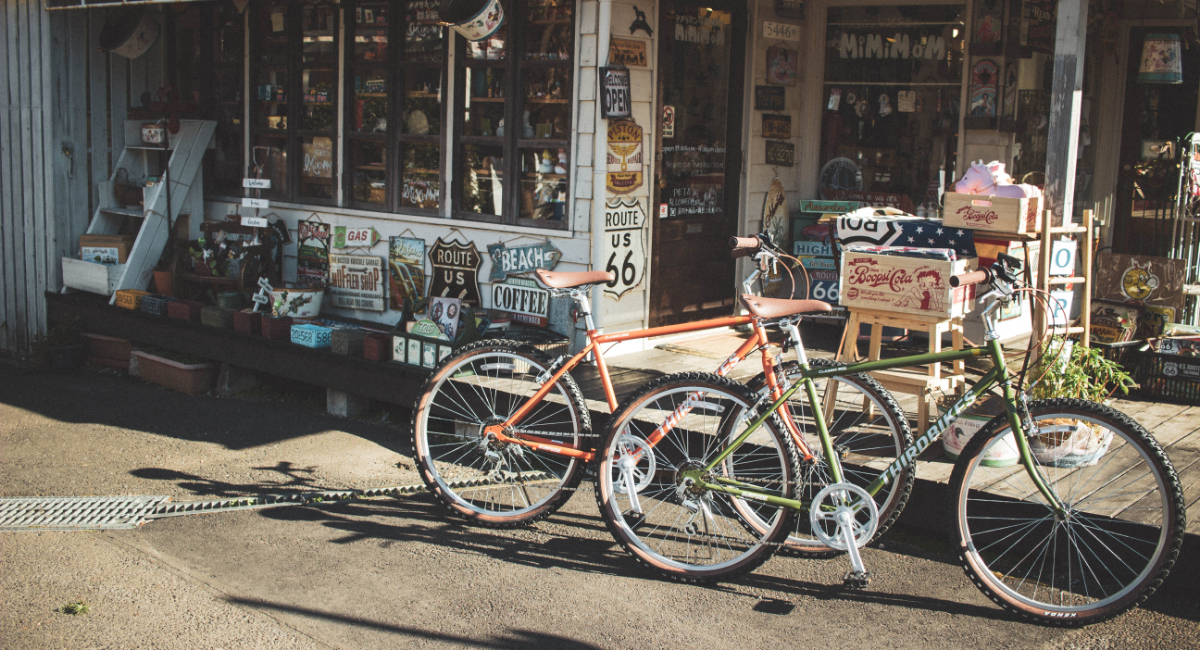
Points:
(527, 302)
(829, 207)
(357, 282)
(781, 153)
(344, 237)
(455, 271)
(768, 98)
(624, 157)
(624, 250)
(312, 252)
(627, 51)
(776, 126)
(521, 259)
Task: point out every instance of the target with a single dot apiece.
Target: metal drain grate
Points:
(76, 513)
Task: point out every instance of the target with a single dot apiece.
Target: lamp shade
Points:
(1162, 62)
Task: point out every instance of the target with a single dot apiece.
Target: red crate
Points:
(377, 347)
(277, 328)
(188, 310)
(247, 322)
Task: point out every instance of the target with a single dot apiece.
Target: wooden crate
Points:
(419, 351)
(156, 304)
(348, 341)
(994, 215)
(377, 347)
(311, 336)
(277, 328)
(247, 321)
(188, 310)
(216, 316)
(130, 298)
(906, 285)
(90, 277)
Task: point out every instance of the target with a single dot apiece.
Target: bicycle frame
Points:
(997, 375)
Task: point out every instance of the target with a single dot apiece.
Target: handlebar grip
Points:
(974, 277)
(744, 246)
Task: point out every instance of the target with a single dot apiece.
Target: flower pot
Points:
(298, 302)
(277, 328)
(247, 322)
(190, 379)
(188, 310)
(162, 283)
(1068, 443)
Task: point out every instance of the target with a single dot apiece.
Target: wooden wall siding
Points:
(62, 106)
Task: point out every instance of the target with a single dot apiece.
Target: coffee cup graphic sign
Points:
(455, 271)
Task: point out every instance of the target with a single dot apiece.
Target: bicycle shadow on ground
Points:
(515, 637)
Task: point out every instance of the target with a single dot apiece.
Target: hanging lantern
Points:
(474, 19)
(1162, 62)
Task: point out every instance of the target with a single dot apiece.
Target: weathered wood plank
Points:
(1062, 134)
(99, 153)
(118, 104)
(24, 138)
(72, 205)
(8, 196)
(40, 223)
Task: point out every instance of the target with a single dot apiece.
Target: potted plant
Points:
(1069, 370)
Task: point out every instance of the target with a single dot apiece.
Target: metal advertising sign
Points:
(768, 98)
(624, 244)
(615, 98)
(521, 259)
(312, 252)
(344, 237)
(829, 207)
(624, 157)
(781, 153)
(527, 302)
(455, 271)
(627, 51)
(776, 126)
(356, 282)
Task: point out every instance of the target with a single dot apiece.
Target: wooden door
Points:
(698, 160)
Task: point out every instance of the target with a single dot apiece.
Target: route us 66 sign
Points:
(624, 244)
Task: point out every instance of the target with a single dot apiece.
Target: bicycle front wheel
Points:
(493, 483)
(1118, 532)
(670, 426)
(868, 431)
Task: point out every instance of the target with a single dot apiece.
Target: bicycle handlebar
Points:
(974, 277)
(744, 246)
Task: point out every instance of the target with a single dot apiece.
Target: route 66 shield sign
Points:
(455, 271)
(624, 244)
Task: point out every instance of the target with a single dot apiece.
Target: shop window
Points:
(892, 82)
(513, 107)
(394, 138)
(294, 99)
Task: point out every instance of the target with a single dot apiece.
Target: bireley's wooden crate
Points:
(906, 285)
(996, 215)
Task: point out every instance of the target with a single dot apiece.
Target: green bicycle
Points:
(1063, 541)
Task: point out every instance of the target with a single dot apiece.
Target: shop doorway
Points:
(702, 49)
(1156, 116)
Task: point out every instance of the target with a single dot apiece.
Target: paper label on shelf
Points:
(256, 183)
(255, 203)
(255, 222)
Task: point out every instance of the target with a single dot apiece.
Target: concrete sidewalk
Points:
(400, 571)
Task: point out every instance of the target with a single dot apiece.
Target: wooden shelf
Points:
(421, 93)
(546, 100)
(488, 99)
(549, 175)
(371, 168)
(555, 21)
(370, 94)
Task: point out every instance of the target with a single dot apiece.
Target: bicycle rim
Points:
(1120, 532)
(690, 535)
(494, 483)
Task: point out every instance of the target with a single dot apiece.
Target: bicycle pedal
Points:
(634, 519)
(856, 580)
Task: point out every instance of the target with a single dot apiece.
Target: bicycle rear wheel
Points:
(687, 534)
(868, 430)
(1116, 540)
(492, 483)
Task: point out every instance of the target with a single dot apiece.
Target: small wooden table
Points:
(911, 382)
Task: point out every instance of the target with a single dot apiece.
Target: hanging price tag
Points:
(255, 203)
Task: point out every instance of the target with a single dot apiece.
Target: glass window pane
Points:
(319, 22)
(485, 104)
(423, 36)
(481, 168)
(316, 168)
(493, 48)
(549, 26)
(548, 102)
(423, 101)
(268, 159)
(422, 181)
(369, 158)
(320, 99)
(544, 184)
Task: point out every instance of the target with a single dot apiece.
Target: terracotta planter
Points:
(191, 379)
(277, 328)
(247, 322)
(377, 347)
(188, 310)
(162, 283)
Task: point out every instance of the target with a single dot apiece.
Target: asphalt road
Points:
(400, 573)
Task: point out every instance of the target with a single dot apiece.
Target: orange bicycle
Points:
(501, 432)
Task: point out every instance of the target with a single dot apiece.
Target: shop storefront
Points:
(734, 117)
